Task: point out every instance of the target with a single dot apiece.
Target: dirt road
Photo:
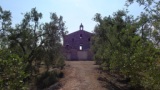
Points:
(81, 75)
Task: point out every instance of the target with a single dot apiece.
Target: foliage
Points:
(129, 46)
(27, 45)
(46, 79)
(12, 72)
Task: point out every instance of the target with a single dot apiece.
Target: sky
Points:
(74, 12)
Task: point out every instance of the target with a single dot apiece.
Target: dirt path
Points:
(81, 75)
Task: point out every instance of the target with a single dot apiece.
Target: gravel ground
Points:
(81, 75)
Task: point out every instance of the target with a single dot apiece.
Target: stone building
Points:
(77, 45)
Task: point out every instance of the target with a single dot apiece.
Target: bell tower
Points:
(81, 27)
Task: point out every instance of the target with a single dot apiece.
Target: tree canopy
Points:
(24, 47)
(130, 46)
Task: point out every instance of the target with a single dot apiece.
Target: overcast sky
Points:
(74, 12)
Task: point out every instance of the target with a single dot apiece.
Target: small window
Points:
(67, 46)
(80, 36)
(89, 39)
(80, 47)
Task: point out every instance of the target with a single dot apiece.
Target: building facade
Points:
(77, 45)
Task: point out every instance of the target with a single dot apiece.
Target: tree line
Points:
(27, 45)
(129, 45)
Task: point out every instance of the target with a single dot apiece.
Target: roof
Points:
(79, 31)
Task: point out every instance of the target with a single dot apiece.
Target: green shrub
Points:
(47, 79)
(12, 73)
